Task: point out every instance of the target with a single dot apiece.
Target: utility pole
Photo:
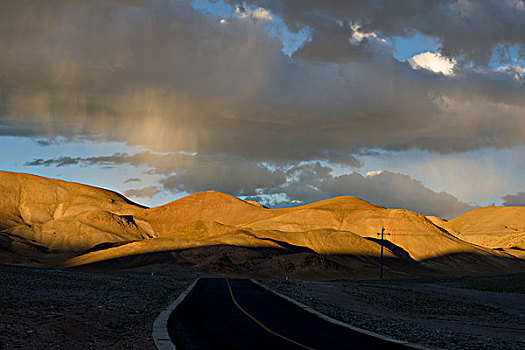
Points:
(382, 234)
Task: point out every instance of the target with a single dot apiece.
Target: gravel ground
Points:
(55, 309)
(472, 313)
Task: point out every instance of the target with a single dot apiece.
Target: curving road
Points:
(238, 314)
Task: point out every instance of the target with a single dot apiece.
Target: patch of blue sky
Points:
(23, 150)
(291, 41)
(503, 55)
(159, 198)
(274, 200)
(218, 9)
(20, 150)
(407, 47)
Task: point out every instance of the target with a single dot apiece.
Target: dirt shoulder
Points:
(55, 309)
(470, 313)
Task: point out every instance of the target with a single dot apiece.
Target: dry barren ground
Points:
(468, 313)
(54, 309)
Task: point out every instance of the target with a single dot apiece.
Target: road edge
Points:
(339, 323)
(160, 326)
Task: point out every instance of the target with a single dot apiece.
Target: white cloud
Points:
(358, 35)
(374, 173)
(515, 68)
(517, 71)
(258, 13)
(434, 62)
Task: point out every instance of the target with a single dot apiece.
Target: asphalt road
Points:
(237, 314)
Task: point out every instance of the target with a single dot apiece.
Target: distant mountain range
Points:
(47, 222)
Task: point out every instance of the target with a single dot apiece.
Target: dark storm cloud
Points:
(312, 182)
(162, 75)
(391, 190)
(57, 162)
(187, 173)
(517, 199)
(165, 76)
(397, 191)
(469, 28)
(146, 192)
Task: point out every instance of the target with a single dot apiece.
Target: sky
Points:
(408, 104)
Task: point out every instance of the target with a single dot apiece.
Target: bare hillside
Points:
(47, 222)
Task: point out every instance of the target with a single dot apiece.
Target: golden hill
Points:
(204, 206)
(45, 221)
(492, 227)
(64, 216)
